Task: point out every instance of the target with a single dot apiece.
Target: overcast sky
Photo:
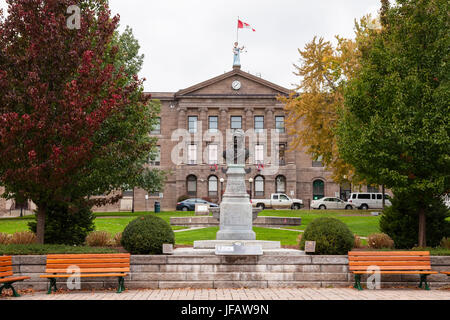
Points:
(189, 41)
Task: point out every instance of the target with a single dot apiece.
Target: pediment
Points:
(222, 85)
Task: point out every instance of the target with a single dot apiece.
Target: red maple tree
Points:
(57, 87)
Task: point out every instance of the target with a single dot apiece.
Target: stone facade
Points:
(216, 97)
(211, 271)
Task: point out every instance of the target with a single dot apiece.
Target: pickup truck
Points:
(278, 201)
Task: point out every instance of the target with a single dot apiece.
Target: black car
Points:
(189, 204)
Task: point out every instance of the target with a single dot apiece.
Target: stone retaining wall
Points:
(210, 271)
(210, 221)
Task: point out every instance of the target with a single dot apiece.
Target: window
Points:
(259, 123)
(373, 189)
(318, 189)
(212, 154)
(213, 123)
(192, 124)
(280, 184)
(156, 127)
(317, 162)
(259, 186)
(259, 153)
(192, 154)
(364, 196)
(212, 186)
(191, 183)
(155, 158)
(284, 197)
(379, 197)
(279, 124)
(236, 122)
(282, 154)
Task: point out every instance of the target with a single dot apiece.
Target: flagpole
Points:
(237, 31)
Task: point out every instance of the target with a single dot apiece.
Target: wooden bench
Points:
(90, 265)
(390, 262)
(7, 276)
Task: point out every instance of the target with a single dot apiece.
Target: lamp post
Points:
(222, 180)
(250, 181)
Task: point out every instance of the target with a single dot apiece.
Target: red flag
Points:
(242, 25)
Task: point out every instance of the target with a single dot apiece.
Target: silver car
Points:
(331, 203)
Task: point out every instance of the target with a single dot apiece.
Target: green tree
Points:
(312, 109)
(395, 126)
(73, 122)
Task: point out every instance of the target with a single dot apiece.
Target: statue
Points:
(237, 55)
(236, 214)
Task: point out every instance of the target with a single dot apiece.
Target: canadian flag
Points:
(242, 25)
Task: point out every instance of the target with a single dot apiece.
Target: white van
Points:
(368, 200)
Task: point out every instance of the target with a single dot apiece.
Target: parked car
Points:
(278, 201)
(331, 203)
(189, 204)
(368, 200)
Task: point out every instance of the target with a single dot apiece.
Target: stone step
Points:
(210, 221)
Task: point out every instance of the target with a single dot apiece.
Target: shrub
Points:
(67, 223)
(146, 235)
(98, 239)
(116, 240)
(401, 221)
(5, 238)
(42, 249)
(299, 238)
(182, 198)
(380, 241)
(332, 236)
(23, 237)
(445, 243)
(357, 242)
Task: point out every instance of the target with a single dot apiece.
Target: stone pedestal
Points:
(236, 215)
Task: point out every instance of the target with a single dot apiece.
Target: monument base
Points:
(211, 244)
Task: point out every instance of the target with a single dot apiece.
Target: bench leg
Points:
(52, 285)
(121, 286)
(9, 286)
(357, 282)
(423, 279)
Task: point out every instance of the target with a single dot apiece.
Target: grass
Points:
(113, 222)
(103, 222)
(188, 237)
(360, 224)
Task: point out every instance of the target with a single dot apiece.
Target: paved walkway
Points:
(247, 294)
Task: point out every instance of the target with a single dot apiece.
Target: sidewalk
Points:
(247, 294)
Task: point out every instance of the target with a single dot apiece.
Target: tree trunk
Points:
(40, 226)
(382, 196)
(422, 229)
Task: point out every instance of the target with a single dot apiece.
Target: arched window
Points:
(280, 184)
(212, 186)
(191, 186)
(259, 186)
(318, 189)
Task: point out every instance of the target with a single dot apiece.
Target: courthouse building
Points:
(233, 100)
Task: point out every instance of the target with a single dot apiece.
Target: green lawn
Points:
(360, 224)
(286, 237)
(114, 222)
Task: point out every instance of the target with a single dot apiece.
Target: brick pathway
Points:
(247, 294)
